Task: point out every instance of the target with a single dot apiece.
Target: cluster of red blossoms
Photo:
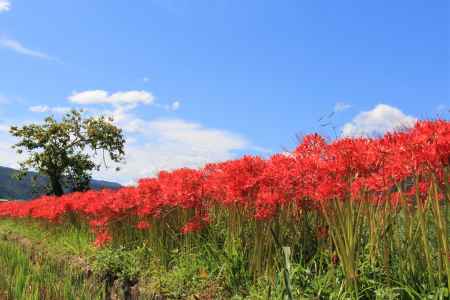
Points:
(316, 172)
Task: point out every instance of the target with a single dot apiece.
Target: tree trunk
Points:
(56, 186)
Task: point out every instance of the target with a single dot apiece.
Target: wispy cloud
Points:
(17, 47)
(153, 144)
(175, 105)
(119, 98)
(5, 5)
(341, 106)
(162, 144)
(166, 144)
(46, 108)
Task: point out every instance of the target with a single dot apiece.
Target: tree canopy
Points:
(68, 150)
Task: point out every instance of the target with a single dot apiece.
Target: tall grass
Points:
(27, 276)
(348, 248)
(371, 248)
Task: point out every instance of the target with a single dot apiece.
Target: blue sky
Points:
(197, 81)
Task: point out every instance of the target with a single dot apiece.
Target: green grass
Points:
(27, 275)
(35, 264)
(61, 239)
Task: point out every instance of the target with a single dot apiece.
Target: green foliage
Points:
(118, 263)
(235, 268)
(61, 150)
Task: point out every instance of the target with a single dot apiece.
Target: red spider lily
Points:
(402, 165)
(102, 239)
(143, 225)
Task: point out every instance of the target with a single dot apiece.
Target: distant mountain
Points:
(11, 188)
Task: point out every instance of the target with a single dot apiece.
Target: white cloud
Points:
(153, 144)
(382, 118)
(171, 144)
(164, 144)
(170, 107)
(131, 98)
(21, 49)
(195, 135)
(45, 109)
(5, 5)
(175, 105)
(39, 108)
(8, 156)
(60, 109)
(341, 106)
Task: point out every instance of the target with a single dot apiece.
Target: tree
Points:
(65, 150)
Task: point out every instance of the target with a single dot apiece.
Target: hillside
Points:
(11, 188)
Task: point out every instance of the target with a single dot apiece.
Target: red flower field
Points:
(354, 169)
